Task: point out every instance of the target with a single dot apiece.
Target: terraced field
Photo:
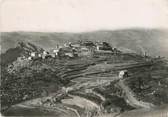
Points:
(90, 86)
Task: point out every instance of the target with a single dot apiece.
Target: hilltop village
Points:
(69, 50)
(29, 53)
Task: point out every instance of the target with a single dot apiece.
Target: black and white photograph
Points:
(84, 58)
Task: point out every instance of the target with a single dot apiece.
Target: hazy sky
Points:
(82, 15)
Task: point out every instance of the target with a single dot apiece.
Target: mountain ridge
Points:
(152, 41)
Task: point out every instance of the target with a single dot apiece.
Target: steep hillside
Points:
(153, 41)
(89, 86)
(21, 49)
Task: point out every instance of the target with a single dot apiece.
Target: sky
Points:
(81, 15)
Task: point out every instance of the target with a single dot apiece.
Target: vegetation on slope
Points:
(39, 78)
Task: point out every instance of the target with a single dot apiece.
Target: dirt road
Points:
(131, 99)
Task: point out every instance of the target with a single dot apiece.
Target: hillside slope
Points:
(153, 41)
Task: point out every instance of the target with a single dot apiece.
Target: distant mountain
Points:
(153, 41)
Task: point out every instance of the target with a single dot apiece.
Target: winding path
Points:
(130, 97)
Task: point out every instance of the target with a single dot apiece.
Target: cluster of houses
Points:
(71, 50)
